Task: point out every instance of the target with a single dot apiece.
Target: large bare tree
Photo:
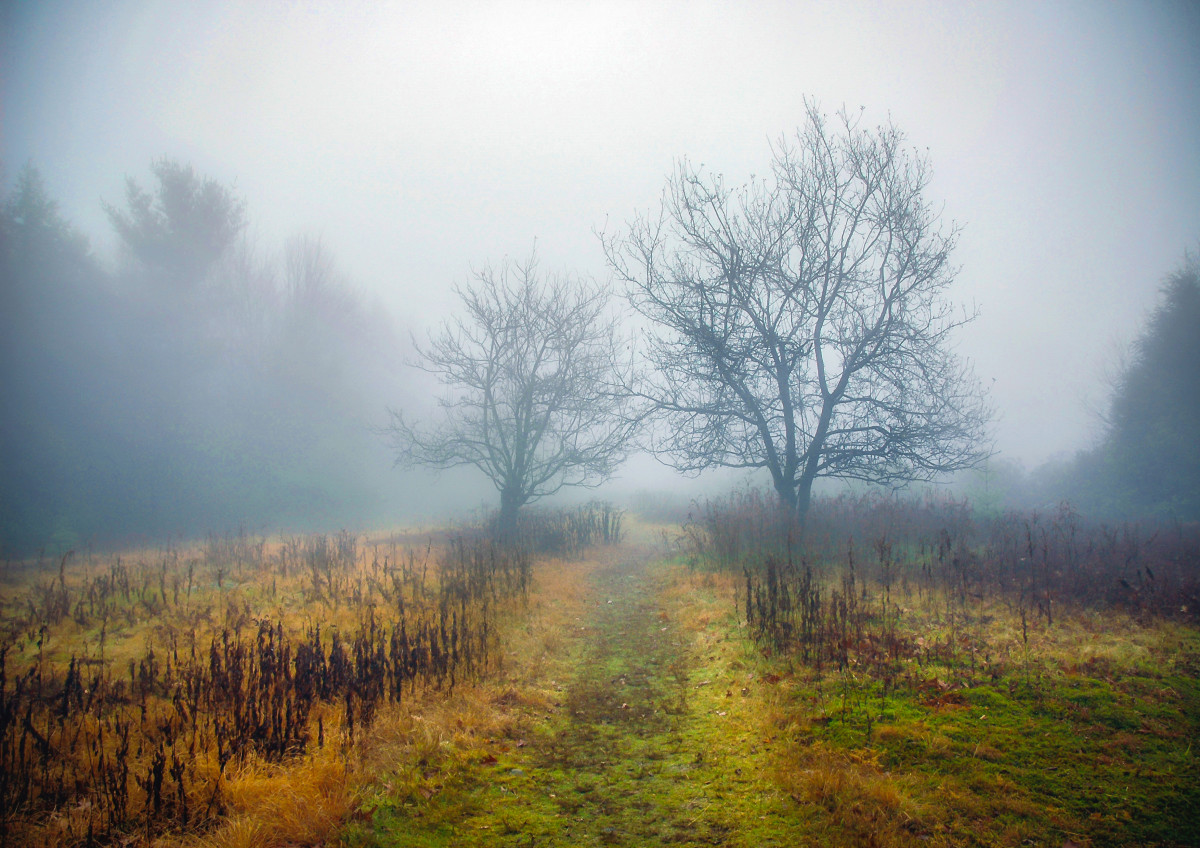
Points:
(534, 369)
(799, 321)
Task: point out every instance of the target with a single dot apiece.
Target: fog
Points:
(412, 142)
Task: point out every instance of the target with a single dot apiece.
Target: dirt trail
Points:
(628, 738)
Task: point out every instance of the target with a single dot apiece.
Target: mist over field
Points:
(614, 423)
(229, 230)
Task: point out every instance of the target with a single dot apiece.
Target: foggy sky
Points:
(422, 139)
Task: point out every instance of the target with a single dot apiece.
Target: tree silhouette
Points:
(181, 229)
(1153, 442)
(800, 323)
(532, 367)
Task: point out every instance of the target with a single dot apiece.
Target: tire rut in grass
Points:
(626, 762)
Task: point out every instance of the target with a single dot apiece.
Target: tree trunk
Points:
(787, 495)
(794, 502)
(791, 514)
(506, 521)
(803, 499)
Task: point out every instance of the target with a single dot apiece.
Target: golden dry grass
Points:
(175, 603)
(419, 748)
(302, 803)
(853, 789)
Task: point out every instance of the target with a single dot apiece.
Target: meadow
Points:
(904, 673)
(1020, 679)
(160, 692)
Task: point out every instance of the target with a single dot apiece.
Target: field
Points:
(905, 675)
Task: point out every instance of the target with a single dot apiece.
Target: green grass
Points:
(1096, 751)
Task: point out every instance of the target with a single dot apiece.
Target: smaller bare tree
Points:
(534, 369)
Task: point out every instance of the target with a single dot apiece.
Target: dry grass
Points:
(109, 616)
(866, 802)
(302, 803)
(962, 786)
(421, 749)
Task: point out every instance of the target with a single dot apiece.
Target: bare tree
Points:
(801, 322)
(534, 368)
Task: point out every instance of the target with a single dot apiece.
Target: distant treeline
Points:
(1147, 461)
(199, 384)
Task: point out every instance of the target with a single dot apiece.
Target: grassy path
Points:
(637, 741)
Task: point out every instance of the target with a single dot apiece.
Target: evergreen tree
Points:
(1153, 444)
(183, 228)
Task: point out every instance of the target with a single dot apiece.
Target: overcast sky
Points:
(420, 139)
